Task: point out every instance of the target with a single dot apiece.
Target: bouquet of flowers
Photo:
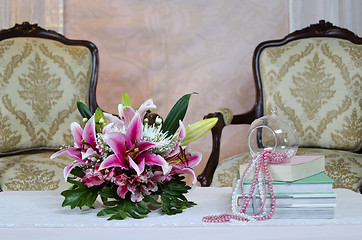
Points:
(131, 161)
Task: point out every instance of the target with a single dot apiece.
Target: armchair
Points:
(313, 76)
(42, 76)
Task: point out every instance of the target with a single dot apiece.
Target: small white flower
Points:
(155, 134)
(158, 120)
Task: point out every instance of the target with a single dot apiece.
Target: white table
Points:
(39, 215)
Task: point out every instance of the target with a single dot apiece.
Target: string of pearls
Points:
(262, 175)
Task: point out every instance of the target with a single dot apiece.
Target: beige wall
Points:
(164, 49)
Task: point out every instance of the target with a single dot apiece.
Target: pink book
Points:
(297, 168)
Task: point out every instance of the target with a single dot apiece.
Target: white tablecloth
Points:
(39, 215)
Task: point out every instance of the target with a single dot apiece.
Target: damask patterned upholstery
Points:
(33, 172)
(41, 80)
(315, 82)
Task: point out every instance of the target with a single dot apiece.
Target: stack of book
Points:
(301, 189)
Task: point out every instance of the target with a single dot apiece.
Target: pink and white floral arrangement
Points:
(131, 160)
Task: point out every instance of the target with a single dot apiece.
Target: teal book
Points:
(300, 213)
(315, 184)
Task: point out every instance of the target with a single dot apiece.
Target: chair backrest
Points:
(42, 76)
(313, 76)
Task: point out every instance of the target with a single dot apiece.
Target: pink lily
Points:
(181, 159)
(113, 121)
(126, 113)
(138, 186)
(129, 151)
(92, 178)
(84, 141)
(148, 105)
(182, 162)
(122, 181)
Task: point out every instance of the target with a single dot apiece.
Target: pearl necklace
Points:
(260, 163)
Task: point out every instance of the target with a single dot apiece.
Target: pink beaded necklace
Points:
(262, 175)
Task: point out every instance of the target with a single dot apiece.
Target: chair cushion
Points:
(324, 97)
(344, 167)
(33, 172)
(40, 82)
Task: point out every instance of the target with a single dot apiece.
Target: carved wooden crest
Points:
(27, 27)
(325, 28)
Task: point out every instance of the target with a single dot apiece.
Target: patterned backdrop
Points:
(164, 49)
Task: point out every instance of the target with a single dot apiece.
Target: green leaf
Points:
(172, 196)
(126, 101)
(81, 195)
(109, 203)
(176, 114)
(100, 120)
(109, 192)
(120, 215)
(126, 208)
(120, 208)
(84, 110)
(151, 200)
(78, 172)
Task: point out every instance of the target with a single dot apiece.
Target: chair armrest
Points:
(248, 117)
(205, 178)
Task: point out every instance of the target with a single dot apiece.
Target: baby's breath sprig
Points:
(65, 147)
(103, 149)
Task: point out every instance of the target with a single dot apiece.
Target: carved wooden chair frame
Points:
(321, 29)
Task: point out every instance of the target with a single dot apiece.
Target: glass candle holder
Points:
(273, 133)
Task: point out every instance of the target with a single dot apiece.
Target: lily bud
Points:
(198, 129)
(100, 120)
(126, 101)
